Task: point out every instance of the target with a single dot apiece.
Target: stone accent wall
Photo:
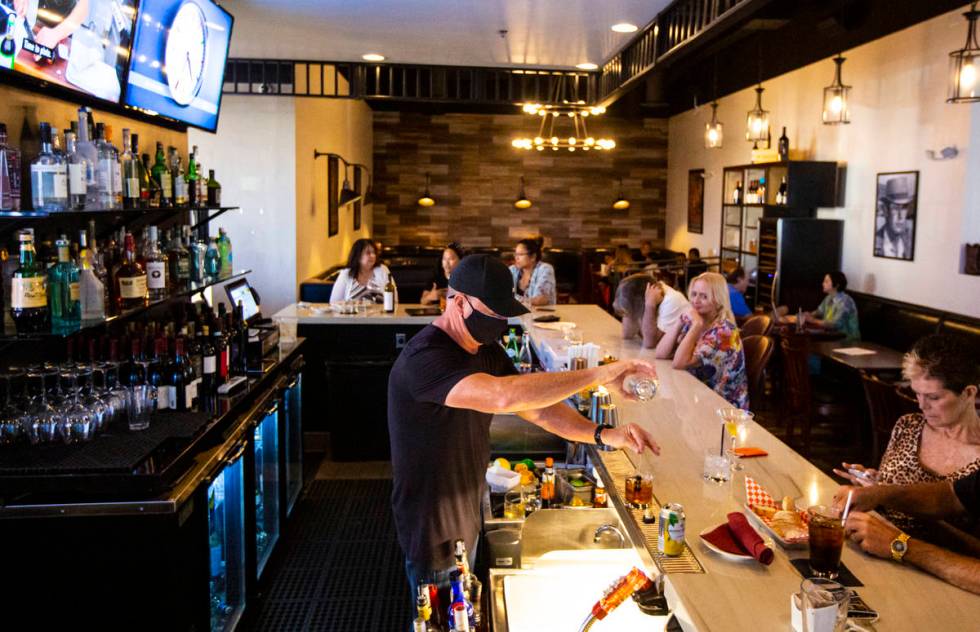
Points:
(475, 178)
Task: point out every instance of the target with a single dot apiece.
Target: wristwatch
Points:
(598, 434)
(900, 546)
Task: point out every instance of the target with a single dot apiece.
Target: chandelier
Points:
(835, 97)
(551, 134)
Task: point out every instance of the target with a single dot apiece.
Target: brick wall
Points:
(475, 175)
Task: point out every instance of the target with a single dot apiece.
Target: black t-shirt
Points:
(439, 454)
(968, 491)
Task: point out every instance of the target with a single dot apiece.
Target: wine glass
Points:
(78, 417)
(43, 420)
(734, 420)
(10, 414)
(90, 398)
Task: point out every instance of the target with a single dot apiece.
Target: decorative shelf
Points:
(9, 333)
(107, 212)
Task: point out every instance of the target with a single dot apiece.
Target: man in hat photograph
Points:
(895, 216)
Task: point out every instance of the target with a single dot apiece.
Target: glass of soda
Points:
(826, 541)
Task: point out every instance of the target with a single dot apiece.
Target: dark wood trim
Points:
(333, 191)
(357, 204)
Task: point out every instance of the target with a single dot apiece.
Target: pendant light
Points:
(757, 120)
(964, 64)
(347, 193)
(714, 132)
(522, 202)
(835, 98)
(426, 199)
(621, 203)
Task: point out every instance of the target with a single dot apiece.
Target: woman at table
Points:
(837, 311)
(364, 277)
(534, 280)
(707, 340)
(451, 255)
(942, 443)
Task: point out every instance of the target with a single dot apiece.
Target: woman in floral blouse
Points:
(708, 342)
(837, 311)
(534, 280)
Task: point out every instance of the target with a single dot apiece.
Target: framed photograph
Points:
(896, 199)
(695, 201)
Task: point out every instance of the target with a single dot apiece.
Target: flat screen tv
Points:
(177, 65)
(82, 45)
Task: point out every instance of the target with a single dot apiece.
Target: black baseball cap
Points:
(487, 278)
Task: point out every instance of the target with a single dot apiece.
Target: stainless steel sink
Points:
(569, 529)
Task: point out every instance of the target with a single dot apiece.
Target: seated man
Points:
(943, 499)
(648, 307)
(738, 282)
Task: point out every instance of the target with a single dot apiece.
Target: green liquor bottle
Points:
(63, 290)
(29, 289)
(161, 176)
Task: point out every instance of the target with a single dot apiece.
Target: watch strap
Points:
(898, 552)
(598, 434)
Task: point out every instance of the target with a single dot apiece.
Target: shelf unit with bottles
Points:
(753, 192)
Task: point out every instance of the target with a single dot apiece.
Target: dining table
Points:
(870, 357)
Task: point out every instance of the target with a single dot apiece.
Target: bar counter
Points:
(744, 595)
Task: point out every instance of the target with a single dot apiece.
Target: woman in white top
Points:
(364, 277)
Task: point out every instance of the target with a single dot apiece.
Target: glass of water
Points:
(717, 467)
(642, 387)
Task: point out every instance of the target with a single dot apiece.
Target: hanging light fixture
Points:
(621, 203)
(563, 104)
(757, 120)
(835, 98)
(347, 193)
(522, 202)
(964, 64)
(714, 132)
(426, 199)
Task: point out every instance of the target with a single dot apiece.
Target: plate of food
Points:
(783, 520)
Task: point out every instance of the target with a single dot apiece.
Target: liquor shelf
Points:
(114, 211)
(10, 334)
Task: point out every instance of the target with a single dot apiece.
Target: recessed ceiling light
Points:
(373, 57)
(624, 27)
(586, 66)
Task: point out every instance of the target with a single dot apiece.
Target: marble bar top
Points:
(321, 314)
(741, 596)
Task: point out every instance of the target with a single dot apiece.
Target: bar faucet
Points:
(609, 528)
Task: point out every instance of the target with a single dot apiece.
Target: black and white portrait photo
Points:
(897, 195)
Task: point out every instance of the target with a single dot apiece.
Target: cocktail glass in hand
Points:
(735, 420)
(826, 541)
(642, 387)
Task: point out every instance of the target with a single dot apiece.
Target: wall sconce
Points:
(835, 98)
(621, 203)
(426, 198)
(522, 202)
(347, 193)
(964, 75)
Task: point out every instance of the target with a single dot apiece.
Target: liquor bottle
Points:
(781, 197)
(513, 350)
(737, 193)
(472, 586)
(177, 175)
(49, 176)
(146, 178)
(222, 352)
(158, 373)
(214, 191)
(10, 173)
(389, 294)
(105, 169)
(130, 172)
(209, 364)
(457, 598)
(198, 250)
(212, 260)
(28, 289)
(179, 262)
(117, 184)
(63, 291)
(131, 278)
(134, 373)
(599, 500)
(89, 151)
(163, 185)
(177, 379)
(77, 187)
(241, 336)
(195, 365)
(142, 173)
(191, 179)
(224, 252)
(548, 484)
(784, 146)
(8, 46)
(156, 266)
(525, 361)
(91, 287)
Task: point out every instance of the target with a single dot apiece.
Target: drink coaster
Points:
(845, 577)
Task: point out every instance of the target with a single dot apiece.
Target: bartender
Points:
(443, 390)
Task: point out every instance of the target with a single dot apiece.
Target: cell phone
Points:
(546, 309)
(864, 476)
(858, 609)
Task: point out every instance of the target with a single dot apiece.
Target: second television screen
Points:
(178, 60)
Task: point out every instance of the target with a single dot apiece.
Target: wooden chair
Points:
(760, 325)
(758, 351)
(886, 405)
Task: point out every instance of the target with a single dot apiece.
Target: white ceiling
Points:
(552, 33)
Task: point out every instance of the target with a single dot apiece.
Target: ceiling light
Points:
(373, 57)
(621, 203)
(563, 100)
(757, 120)
(835, 95)
(714, 131)
(964, 64)
(624, 27)
(426, 198)
(522, 202)
(587, 66)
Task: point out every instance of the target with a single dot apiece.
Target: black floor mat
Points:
(340, 567)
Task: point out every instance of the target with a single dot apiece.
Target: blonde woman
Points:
(707, 340)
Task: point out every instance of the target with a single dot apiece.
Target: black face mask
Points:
(484, 329)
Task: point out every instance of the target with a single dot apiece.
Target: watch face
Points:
(187, 44)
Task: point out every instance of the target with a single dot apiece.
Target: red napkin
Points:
(748, 538)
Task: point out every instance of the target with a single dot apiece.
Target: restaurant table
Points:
(882, 359)
(745, 595)
(815, 334)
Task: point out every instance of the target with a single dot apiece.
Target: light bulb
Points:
(712, 135)
(540, 147)
(571, 149)
(542, 113)
(836, 104)
(538, 140)
(756, 126)
(968, 77)
(554, 140)
(516, 142)
(584, 114)
(590, 141)
(571, 140)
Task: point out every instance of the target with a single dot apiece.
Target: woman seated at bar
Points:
(451, 255)
(648, 307)
(534, 280)
(707, 341)
(738, 282)
(942, 443)
(364, 277)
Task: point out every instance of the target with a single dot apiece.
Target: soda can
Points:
(671, 530)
